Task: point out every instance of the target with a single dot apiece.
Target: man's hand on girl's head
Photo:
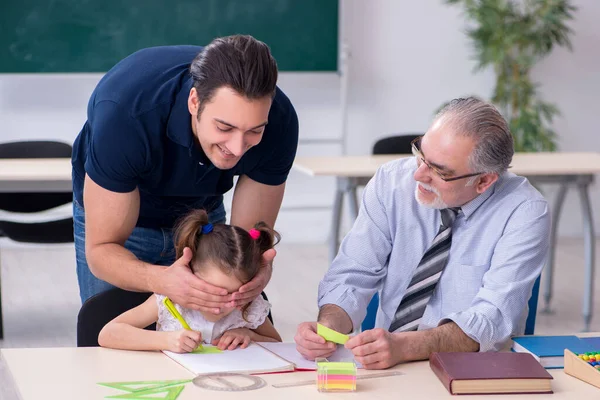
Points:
(252, 289)
(179, 283)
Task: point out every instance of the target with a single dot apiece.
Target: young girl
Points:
(223, 255)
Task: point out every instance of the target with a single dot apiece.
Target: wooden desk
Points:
(564, 169)
(73, 373)
(35, 175)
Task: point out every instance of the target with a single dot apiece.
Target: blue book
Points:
(550, 350)
(593, 342)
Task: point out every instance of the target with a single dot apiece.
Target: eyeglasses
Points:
(416, 150)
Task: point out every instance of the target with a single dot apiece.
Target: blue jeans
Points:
(154, 246)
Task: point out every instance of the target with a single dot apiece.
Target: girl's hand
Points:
(234, 337)
(183, 341)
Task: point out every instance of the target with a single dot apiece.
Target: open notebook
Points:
(258, 358)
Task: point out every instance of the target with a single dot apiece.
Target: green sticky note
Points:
(338, 365)
(207, 350)
(338, 371)
(330, 335)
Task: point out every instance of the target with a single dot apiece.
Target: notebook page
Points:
(253, 359)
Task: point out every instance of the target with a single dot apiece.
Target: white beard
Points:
(437, 203)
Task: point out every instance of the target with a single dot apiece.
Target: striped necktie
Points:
(409, 312)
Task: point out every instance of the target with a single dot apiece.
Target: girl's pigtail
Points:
(188, 231)
(266, 238)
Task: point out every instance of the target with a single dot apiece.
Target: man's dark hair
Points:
(239, 62)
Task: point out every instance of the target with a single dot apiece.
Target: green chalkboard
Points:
(92, 35)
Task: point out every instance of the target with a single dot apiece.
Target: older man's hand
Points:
(376, 348)
(311, 345)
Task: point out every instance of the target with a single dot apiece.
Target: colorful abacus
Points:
(336, 376)
(592, 358)
(584, 366)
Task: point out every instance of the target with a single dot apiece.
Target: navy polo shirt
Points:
(138, 134)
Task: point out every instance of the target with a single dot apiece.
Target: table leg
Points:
(558, 203)
(589, 245)
(344, 186)
(336, 219)
(352, 203)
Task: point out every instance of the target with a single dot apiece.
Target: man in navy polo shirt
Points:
(168, 129)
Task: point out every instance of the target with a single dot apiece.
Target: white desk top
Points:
(73, 373)
(33, 169)
(30, 175)
(526, 164)
(55, 174)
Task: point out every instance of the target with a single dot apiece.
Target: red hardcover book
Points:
(483, 373)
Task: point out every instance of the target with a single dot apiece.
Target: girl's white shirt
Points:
(256, 313)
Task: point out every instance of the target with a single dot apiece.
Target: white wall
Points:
(407, 58)
(571, 80)
(410, 56)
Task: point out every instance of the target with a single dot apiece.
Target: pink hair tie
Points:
(254, 233)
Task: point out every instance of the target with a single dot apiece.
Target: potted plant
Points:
(511, 36)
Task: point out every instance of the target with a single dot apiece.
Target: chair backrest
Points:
(532, 303)
(57, 231)
(369, 321)
(35, 149)
(399, 144)
(101, 308)
(34, 202)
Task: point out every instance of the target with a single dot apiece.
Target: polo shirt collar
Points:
(179, 125)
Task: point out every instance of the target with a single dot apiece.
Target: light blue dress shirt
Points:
(500, 243)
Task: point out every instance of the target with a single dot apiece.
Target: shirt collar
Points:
(179, 125)
(469, 208)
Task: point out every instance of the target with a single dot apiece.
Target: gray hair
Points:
(481, 121)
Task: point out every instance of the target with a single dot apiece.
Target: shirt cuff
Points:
(111, 185)
(267, 179)
(478, 329)
(346, 299)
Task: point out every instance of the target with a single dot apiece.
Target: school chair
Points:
(101, 308)
(369, 321)
(18, 207)
(399, 144)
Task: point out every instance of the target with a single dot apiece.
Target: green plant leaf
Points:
(511, 37)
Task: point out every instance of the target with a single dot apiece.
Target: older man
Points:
(452, 242)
